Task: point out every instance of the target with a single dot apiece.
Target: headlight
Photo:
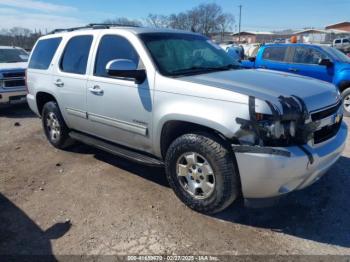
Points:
(275, 132)
(276, 126)
(268, 132)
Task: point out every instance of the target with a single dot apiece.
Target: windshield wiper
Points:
(200, 69)
(13, 61)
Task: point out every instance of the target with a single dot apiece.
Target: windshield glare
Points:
(338, 55)
(13, 56)
(184, 54)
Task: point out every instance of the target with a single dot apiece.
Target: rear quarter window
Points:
(275, 53)
(43, 53)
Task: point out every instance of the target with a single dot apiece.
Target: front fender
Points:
(342, 79)
(214, 114)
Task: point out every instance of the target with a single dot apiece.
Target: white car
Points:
(13, 63)
(342, 44)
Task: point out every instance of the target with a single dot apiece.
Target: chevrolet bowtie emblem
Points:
(337, 119)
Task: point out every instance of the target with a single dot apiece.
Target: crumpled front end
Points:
(289, 148)
(266, 175)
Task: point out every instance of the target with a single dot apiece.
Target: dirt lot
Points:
(84, 201)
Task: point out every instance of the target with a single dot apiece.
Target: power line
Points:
(240, 21)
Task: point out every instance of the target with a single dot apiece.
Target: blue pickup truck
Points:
(321, 62)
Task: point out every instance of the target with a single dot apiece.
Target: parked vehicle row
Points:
(342, 44)
(13, 62)
(320, 62)
(172, 98)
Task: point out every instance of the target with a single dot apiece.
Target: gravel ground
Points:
(84, 201)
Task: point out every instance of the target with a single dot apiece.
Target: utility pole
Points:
(240, 21)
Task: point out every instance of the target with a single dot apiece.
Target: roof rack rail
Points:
(90, 26)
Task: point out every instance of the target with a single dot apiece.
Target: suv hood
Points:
(11, 66)
(270, 85)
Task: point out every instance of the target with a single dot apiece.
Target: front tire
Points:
(346, 102)
(202, 172)
(54, 126)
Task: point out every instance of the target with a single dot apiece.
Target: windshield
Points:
(186, 54)
(13, 55)
(338, 55)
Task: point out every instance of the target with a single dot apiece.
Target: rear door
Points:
(274, 58)
(70, 79)
(305, 61)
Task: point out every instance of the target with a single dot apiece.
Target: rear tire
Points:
(202, 172)
(346, 102)
(54, 126)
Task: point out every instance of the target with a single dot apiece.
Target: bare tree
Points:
(20, 31)
(204, 19)
(18, 36)
(157, 21)
(123, 21)
(225, 22)
(208, 15)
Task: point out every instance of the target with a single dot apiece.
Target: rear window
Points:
(43, 53)
(275, 53)
(76, 55)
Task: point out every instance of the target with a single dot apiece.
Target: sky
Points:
(257, 15)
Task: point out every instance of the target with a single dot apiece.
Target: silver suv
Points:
(172, 98)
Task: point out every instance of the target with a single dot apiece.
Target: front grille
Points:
(326, 133)
(13, 74)
(326, 113)
(13, 79)
(14, 83)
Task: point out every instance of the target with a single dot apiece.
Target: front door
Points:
(305, 61)
(119, 110)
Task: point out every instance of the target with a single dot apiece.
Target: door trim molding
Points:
(131, 127)
(76, 112)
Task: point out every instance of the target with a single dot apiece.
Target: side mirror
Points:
(325, 62)
(252, 59)
(125, 68)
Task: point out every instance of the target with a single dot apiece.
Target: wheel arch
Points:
(173, 129)
(42, 98)
(345, 84)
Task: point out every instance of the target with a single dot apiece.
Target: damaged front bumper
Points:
(270, 172)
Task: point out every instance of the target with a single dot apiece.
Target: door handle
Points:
(59, 83)
(293, 69)
(97, 90)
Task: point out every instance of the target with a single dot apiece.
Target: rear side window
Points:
(76, 54)
(113, 47)
(275, 53)
(43, 53)
(345, 41)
